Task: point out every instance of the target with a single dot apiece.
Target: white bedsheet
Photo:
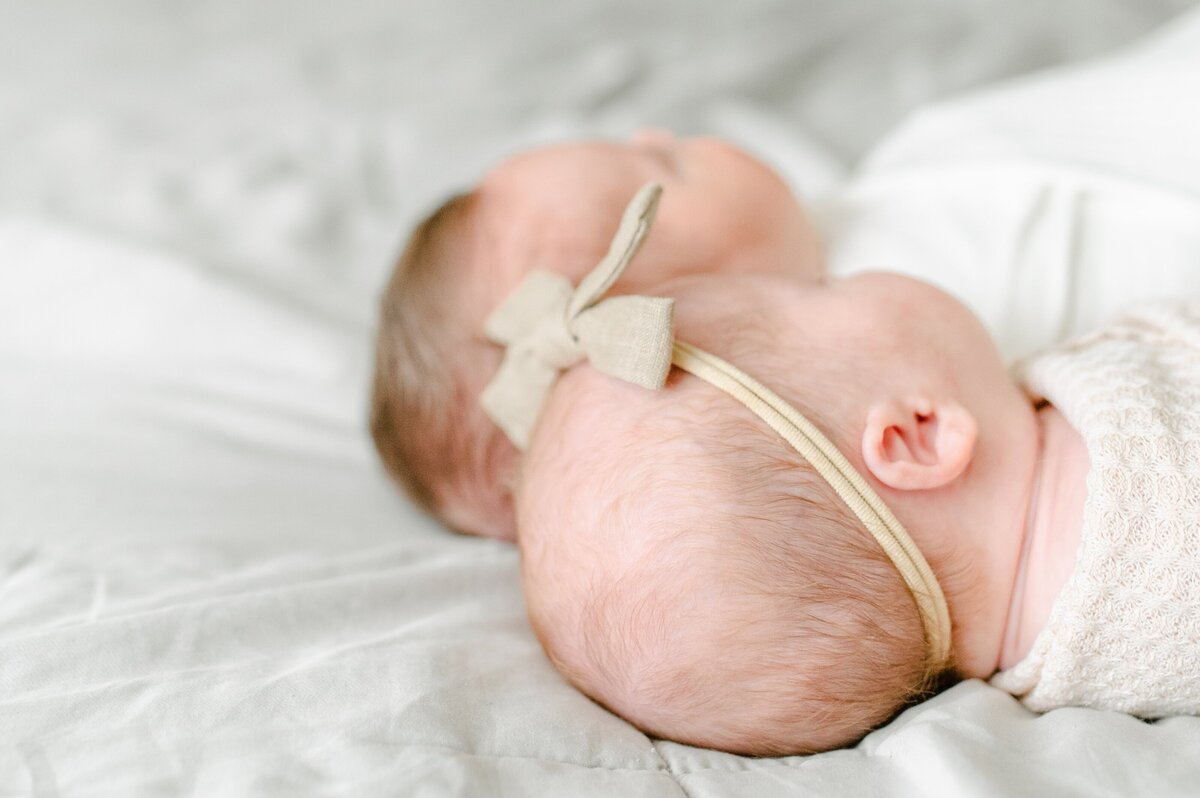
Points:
(206, 585)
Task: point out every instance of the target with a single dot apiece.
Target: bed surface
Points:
(207, 586)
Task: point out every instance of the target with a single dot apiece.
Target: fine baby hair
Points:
(704, 562)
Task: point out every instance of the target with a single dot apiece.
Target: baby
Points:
(724, 212)
(716, 584)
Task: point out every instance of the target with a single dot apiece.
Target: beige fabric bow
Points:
(549, 326)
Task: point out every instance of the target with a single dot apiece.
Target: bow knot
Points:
(553, 343)
(548, 326)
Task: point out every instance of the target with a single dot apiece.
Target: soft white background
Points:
(206, 585)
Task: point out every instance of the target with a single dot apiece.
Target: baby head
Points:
(685, 567)
(554, 209)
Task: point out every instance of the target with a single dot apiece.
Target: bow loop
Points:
(630, 337)
(540, 296)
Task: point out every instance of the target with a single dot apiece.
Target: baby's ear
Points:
(917, 443)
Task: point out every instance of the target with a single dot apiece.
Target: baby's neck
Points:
(1051, 536)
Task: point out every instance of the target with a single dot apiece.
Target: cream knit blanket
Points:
(1124, 634)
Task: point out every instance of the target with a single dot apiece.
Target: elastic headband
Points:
(548, 326)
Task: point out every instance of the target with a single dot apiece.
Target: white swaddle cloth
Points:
(1049, 205)
(1124, 633)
